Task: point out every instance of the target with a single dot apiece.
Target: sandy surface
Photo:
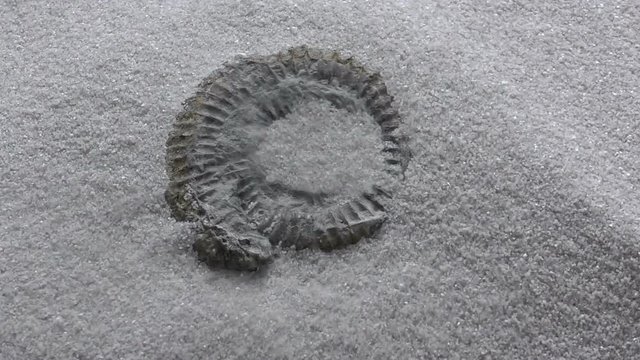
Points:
(515, 235)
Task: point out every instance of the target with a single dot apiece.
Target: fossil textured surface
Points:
(514, 236)
(215, 170)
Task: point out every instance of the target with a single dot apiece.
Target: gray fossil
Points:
(215, 181)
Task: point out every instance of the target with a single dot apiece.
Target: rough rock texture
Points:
(213, 170)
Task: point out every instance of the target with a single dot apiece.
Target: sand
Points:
(514, 235)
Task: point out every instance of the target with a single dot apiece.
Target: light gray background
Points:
(515, 235)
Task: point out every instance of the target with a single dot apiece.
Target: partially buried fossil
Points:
(228, 170)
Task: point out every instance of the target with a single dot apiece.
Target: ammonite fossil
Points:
(217, 180)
